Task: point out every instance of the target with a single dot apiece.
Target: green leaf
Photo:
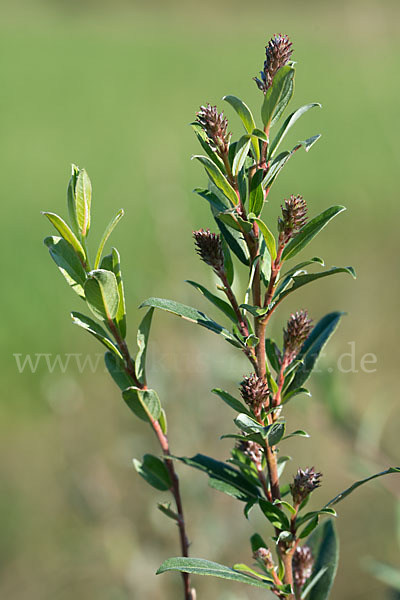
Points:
(241, 152)
(299, 280)
(246, 117)
(228, 263)
(66, 233)
(145, 404)
(278, 96)
(109, 229)
(275, 433)
(246, 569)
(309, 528)
(309, 231)
(312, 582)
(357, 484)
(95, 329)
(121, 312)
(315, 513)
(201, 566)
(101, 291)
(68, 262)
(154, 471)
(289, 122)
(223, 477)
(83, 199)
(231, 401)
(298, 432)
(293, 393)
(325, 550)
(71, 198)
(274, 514)
(218, 204)
(115, 367)
(273, 354)
(297, 269)
(268, 237)
(205, 144)
(142, 341)
(235, 222)
(218, 302)
(218, 178)
(275, 168)
(257, 542)
(165, 508)
(312, 348)
(192, 315)
(256, 198)
(112, 262)
(243, 111)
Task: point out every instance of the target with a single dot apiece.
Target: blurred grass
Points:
(112, 87)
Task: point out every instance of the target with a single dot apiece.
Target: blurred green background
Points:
(112, 86)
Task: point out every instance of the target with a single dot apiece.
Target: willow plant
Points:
(299, 560)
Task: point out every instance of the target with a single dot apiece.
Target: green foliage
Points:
(154, 471)
(240, 175)
(325, 548)
(207, 567)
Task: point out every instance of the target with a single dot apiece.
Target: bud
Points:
(215, 125)
(252, 450)
(264, 555)
(304, 483)
(297, 330)
(303, 563)
(255, 392)
(277, 55)
(294, 217)
(209, 248)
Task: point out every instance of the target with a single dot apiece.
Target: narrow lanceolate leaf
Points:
(68, 262)
(312, 348)
(231, 401)
(83, 199)
(142, 341)
(145, 404)
(96, 330)
(309, 231)
(268, 237)
(112, 262)
(101, 291)
(256, 198)
(278, 96)
(218, 302)
(67, 234)
(205, 144)
(246, 117)
(218, 178)
(223, 477)
(219, 204)
(71, 199)
(241, 152)
(243, 111)
(116, 368)
(324, 546)
(190, 314)
(200, 566)
(275, 515)
(109, 229)
(357, 484)
(154, 471)
(289, 122)
(299, 280)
